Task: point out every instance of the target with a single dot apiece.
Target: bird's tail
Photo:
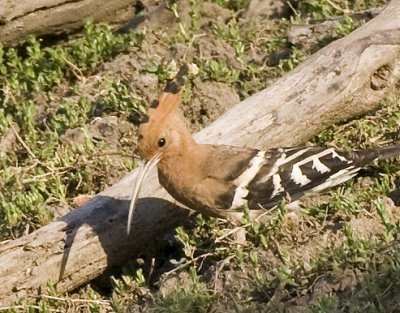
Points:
(388, 152)
(381, 153)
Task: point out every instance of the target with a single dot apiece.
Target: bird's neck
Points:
(183, 161)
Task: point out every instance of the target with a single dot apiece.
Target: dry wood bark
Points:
(20, 18)
(341, 81)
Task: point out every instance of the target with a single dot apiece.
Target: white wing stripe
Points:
(245, 178)
(335, 155)
(278, 188)
(298, 177)
(319, 166)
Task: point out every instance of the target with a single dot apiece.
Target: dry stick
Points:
(332, 85)
(75, 70)
(188, 263)
(41, 176)
(244, 226)
(335, 6)
(24, 307)
(219, 268)
(191, 44)
(107, 302)
(22, 142)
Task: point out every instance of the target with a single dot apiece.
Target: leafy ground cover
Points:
(68, 125)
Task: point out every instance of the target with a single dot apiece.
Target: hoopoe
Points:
(218, 180)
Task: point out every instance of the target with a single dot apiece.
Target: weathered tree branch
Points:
(19, 18)
(341, 81)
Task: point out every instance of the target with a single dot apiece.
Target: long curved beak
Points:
(143, 171)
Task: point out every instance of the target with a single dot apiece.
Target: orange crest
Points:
(162, 114)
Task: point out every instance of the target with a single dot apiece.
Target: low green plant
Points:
(347, 25)
(49, 173)
(32, 68)
(192, 298)
(127, 289)
(218, 70)
(119, 100)
(316, 9)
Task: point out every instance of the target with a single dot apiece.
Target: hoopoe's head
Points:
(162, 132)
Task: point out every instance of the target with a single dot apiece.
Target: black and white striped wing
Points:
(294, 172)
(263, 178)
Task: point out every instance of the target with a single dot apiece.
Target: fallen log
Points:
(19, 18)
(341, 81)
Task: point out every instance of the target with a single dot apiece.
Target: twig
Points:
(231, 232)
(191, 44)
(321, 228)
(75, 70)
(292, 8)
(24, 307)
(125, 155)
(37, 161)
(188, 263)
(152, 266)
(389, 245)
(22, 142)
(335, 6)
(7, 94)
(236, 229)
(279, 293)
(29, 180)
(106, 302)
(219, 268)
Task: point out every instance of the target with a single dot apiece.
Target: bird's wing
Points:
(264, 178)
(293, 172)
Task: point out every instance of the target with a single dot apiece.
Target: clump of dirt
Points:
(108, 130)
(212, 12)
(209, 101)
(271, 9)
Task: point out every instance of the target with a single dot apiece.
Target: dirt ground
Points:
(296, 242)
(306, 238)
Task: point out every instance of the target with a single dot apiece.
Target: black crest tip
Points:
(173, 87)
(154, 104)
(177, 83)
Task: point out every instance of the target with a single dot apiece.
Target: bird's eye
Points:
(162, 142)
